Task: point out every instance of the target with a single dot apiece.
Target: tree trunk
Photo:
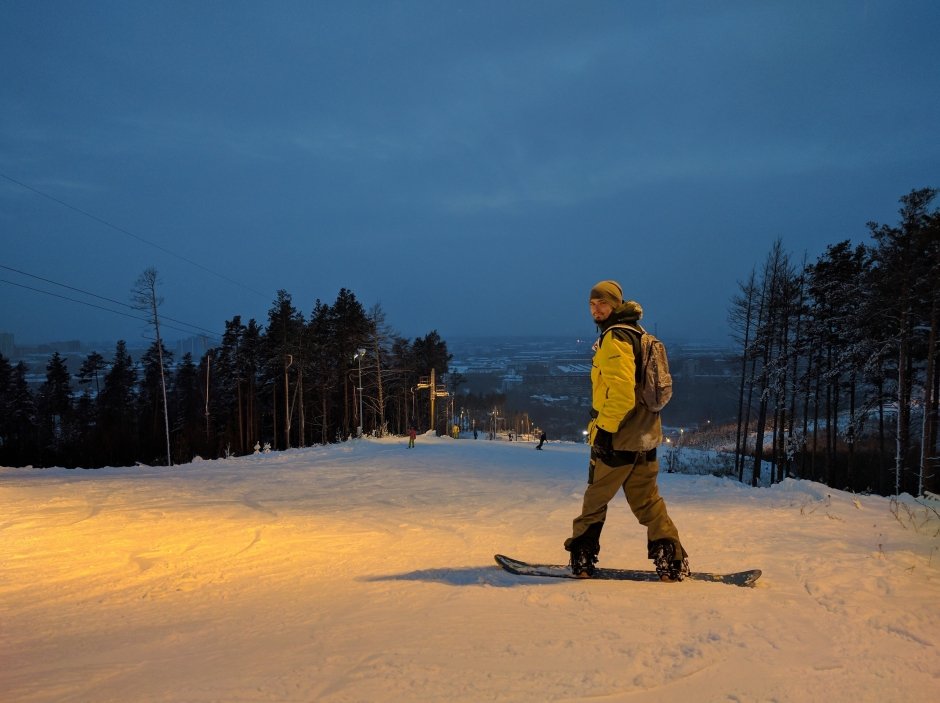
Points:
(816, 403)
(904, 408)
(882, 434)
(302, 410)
(928, 460)
(850, 434)
(740, 439)
(811, 351)
(379, 388)
(145, 298)
(288, 361)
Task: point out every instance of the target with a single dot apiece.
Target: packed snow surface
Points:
(364, 572)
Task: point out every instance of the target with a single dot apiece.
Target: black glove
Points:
(603, 441)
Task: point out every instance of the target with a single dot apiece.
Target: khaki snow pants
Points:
(638, 481)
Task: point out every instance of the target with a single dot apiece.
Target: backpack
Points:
(653, 381)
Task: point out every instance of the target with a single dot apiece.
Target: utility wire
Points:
(101, 307)
(128, 233)
(63, 285)
(100, 297)
(82, 302)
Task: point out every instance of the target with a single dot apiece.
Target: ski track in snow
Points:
(364, 572)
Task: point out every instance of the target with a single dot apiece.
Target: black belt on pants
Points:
(619, 457)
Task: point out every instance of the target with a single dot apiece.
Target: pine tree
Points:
(55, 409)
(321, 360)
(282, 345)
(117, 409)
(838, 284)
(227, 403)
(91, 367)
(19, 440)
(153, 415)
(903, 268)
(350, 328)
(930, 441)
(250, 363)
(186, 411)
(6, 405)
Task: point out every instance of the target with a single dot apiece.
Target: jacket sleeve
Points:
(617, 367)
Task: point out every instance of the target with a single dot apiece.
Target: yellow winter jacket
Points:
(613, 397)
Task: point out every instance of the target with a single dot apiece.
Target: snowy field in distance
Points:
(364, 572)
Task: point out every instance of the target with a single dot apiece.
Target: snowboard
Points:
(521, 568)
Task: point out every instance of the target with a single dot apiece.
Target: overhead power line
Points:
(63, 285)
(192, 328)
(100, 297)
(128, 233)
(65, 297)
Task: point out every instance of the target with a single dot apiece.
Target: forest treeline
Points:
(838, 382)
(839, 369)
(293, 382)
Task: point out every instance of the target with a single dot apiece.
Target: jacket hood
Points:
(627, 313)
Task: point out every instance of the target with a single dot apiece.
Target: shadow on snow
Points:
(465, 576)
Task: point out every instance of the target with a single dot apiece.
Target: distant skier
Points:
(412, 435)
(542, 439)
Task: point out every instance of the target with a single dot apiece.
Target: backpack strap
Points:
(636, 328)
(636, 333)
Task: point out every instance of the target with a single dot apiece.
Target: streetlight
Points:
(359, 354)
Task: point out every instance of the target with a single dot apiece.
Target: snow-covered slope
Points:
(364, 572)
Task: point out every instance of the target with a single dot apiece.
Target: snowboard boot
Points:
(583, 560)
(584, 550)
(668, 568)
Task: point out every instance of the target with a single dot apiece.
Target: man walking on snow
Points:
(623, 435)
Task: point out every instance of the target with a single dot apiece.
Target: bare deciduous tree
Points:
(144, 297)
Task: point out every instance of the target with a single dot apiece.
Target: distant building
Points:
(72, 346)
(7, 347)
(197, 346)
(510, 380)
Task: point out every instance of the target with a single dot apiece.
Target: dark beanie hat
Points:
(609, 291)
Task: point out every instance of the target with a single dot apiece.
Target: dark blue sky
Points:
(473, 167)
